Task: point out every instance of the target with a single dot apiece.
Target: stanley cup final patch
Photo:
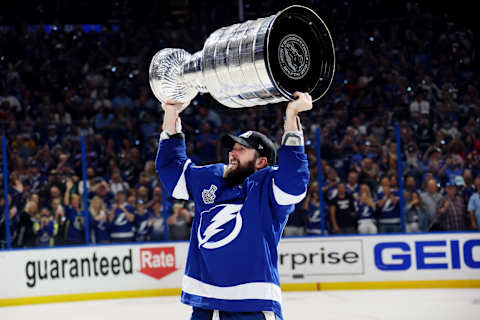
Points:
(208, 196)
(294, 56)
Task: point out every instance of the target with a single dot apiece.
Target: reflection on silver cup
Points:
(252, 63)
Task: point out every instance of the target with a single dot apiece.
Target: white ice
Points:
(424, 304)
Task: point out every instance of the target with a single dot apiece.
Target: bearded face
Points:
(237, 171)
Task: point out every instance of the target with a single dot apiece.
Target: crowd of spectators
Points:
(60, 85)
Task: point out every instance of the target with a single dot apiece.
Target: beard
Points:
(235, 177)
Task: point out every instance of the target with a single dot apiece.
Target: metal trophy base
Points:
(253, 63)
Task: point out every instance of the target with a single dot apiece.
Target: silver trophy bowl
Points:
(256, 62)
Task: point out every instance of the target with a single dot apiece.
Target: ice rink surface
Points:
(424, 304)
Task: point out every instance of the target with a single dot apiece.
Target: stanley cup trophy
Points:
(251, 63)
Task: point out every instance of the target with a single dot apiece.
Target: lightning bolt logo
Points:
(226, 214)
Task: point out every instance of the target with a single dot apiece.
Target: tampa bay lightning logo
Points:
(219, 225)
(388, 206)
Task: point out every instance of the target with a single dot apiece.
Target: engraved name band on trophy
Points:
(251, 63)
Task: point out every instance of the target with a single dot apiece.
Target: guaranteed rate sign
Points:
(77, 267)
(157, 262)
(93, 269)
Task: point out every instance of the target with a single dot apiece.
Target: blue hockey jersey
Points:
(75, 224)
(365, 212)
(232, 257)
(121, 228)
(390, 212)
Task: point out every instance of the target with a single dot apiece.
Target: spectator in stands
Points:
(132, 197)
(417, 219)
(150, 173)
(142, 194)
(414, 164)
(158, 223)
(352, 185)
(45, 229)
(75, 219)
(131, 165)
(451, 214)
(329, 187)
(102, 190)
(295, 225)
(59, 216)
(26, 236)
(311, 207)
(409, 187)
(143, 222)
(13, 216)
(144, 181)
(53, 139)
(121, 218)
(99, 223)
(369, 173)
(342, 212)
(433, 159)
(117, 183)
(388, 204)
(420, 107)
(179, 222)
(366, 211)
(451, 168)
(90, 181)
(431, 201)
(474, 206)
(156, 197)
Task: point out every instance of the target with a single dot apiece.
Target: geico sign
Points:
(395, 256)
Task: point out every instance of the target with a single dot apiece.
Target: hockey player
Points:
(240, 211)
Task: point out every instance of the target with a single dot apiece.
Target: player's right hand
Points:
(302, 102)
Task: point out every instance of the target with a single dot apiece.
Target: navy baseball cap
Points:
(255, 140)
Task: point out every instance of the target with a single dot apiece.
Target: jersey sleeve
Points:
(290, 179)
(173, 166)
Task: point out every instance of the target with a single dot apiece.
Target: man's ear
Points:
(261, 163)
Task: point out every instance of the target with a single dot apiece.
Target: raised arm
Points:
(290, 180)
(66, 197)
(171, 162)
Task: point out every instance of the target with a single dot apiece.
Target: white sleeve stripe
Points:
(284, 198)
(180, 191)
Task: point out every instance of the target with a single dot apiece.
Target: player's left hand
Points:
(178, 107)
(302, 102)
